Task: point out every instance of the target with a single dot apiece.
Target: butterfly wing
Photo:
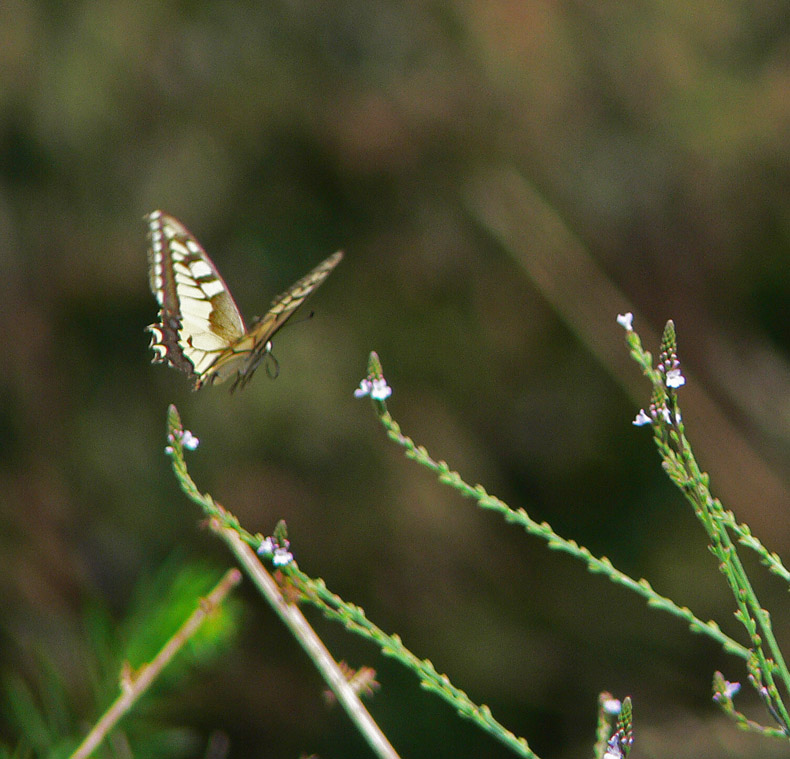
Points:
(199, 321)
(284, 305)
(253, 347)
(200, 329)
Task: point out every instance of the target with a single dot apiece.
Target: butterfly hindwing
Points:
(200, 329)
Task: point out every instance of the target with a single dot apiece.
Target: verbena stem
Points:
(543, 530)
(315, 592)
(223, 523)
(681, 466)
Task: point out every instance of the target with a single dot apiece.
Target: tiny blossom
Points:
(643, 417)
(612, 706)
(378, 389)
(730, 689)
(189, 441)
(280, 554)
(281, 557)
(186, 439)
(363, 389)
(675, 378)
(381, 390)
(613, 749)
(266, 547)
(626, 321)
(669, 366)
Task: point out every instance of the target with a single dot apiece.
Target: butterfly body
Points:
(200, 329)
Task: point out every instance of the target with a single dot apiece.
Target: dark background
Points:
(505, 177)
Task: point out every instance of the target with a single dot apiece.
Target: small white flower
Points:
(266, 548)
(674, 378)
(667, 414)
(189, 441)
(731, 689)
(363, 389)
(381, 390)
(626, 321)
(612, 706)
(185, 437)
(378, 389)
(281, 557)
(642, 419)
(613, 750)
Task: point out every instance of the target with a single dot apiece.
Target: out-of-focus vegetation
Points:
(648, 145)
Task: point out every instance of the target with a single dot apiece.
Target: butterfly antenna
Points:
(299, 319)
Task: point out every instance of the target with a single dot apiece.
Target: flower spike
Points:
(374, 384)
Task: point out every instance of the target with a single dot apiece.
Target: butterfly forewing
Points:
(252, 348)
(200, 328)
(283, 306)
(198, 317)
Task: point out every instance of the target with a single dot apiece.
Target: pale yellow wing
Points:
(200, 329)
(198, 318)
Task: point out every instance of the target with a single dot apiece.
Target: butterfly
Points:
(200, 329)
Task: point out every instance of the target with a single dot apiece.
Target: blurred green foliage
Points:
(50, 715)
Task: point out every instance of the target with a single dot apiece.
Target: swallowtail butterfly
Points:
(200, 329)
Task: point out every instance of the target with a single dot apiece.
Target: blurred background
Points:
(504, 177)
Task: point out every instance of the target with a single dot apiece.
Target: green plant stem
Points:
(750, 612)
(681, 466)
(332, 606)
(744, 536)
(225, 524)
(292, 617)
(544, 531)
(353, 618)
